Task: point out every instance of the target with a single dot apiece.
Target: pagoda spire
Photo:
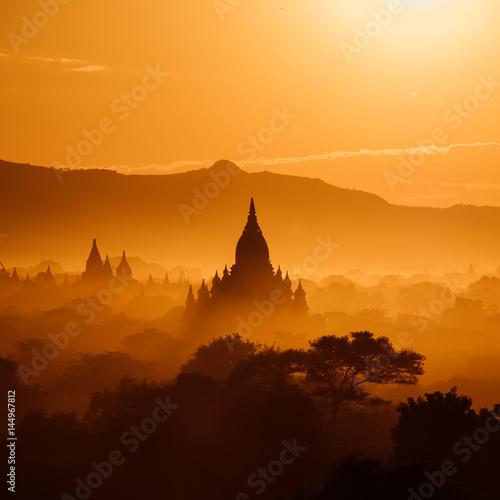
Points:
(216, 283)
(252, 225)
(190, 300)
(107, 270)
(123, 268)
(252, 252)
(299, 304)
(203, 294)
(94, 268)
(15, 276)
(182, 276)
(287, 287)
(28, 282)
(279, 275)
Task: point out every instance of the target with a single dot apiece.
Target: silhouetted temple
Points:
(123, 268)
(250, 281)
(45, 279)
(7, 280)
(98, 272)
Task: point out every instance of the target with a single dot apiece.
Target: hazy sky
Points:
(199, 80)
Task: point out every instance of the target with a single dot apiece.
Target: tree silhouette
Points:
(337, 368)
(340, 367)
(28, 397)
(8, 368)
(89, 373)
(268, 368)
(219, 357)
(430, 425)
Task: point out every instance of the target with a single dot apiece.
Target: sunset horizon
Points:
(250, 249)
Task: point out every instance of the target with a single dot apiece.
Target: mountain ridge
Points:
(58, 214)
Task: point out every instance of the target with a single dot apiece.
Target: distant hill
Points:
(49, 215)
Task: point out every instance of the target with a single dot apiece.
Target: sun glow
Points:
(434, 48)
(418, 28)
(424, 4)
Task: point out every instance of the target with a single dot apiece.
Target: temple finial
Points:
(252, 225)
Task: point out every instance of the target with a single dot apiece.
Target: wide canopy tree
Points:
(339, 369)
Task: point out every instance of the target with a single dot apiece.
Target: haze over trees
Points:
(274, 384)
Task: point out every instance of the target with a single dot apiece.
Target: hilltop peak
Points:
(226, 165)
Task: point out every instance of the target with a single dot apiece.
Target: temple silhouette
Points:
(250, 285)
(97, 271)
(12, 282)
(250, 294)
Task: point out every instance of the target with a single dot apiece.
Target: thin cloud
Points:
(71, 64)
(472, 186)
(430, 150)
(63, 60)
(90, 69)
(155, 169)
(60, 60)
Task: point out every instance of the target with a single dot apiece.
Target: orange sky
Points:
(299, 76)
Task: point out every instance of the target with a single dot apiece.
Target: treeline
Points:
(244, 421)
